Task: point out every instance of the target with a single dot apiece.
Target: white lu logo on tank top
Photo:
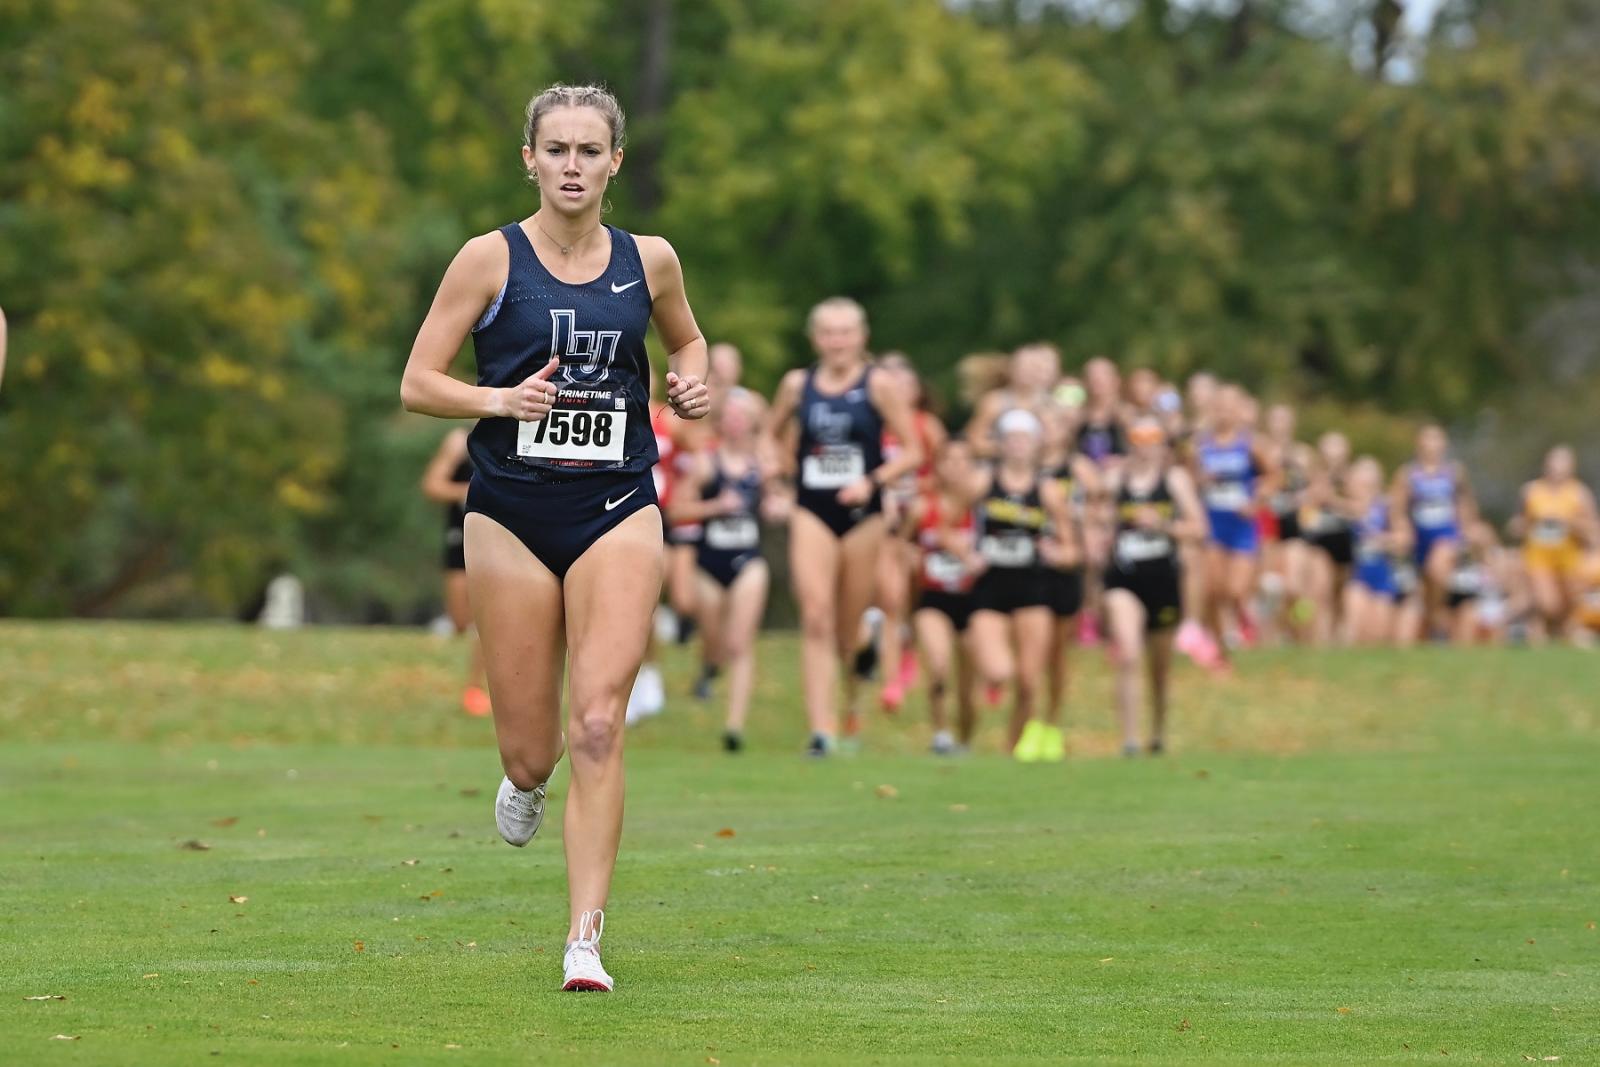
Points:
(574, 429)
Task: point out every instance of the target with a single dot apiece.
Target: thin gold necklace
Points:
(566, 250)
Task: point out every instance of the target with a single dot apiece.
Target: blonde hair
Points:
(835, 303)
(559, 96)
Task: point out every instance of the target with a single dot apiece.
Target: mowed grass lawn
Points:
(279, 849)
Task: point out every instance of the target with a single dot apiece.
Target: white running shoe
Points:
(584, 974)
(518, 813)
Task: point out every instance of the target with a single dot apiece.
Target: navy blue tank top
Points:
(841, 437)
(601, 419)
(737, 531)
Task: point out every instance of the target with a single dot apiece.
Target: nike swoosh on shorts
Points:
(613, 503)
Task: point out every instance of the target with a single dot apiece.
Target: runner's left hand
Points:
(688, 396)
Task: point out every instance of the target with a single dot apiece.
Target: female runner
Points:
(1235, 474)
(1080, 482)
(1288, 555)
(563, 535)
(1032, 377)
(1024, 531)
(1155, 508)
(833, 414)
(1558, 516)
(1433, 493)
(1373, 594)
(1325, 519)
(445, 482)
(722, 493)
(941, 522)
(897, 562)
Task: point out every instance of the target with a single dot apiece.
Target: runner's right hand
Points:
(533, 399)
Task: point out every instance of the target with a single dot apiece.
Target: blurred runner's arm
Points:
(437, 485)
(1190, 522)
(780, 447)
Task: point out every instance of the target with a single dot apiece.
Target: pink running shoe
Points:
(1088, 630)
(892, 696)
(907, 677)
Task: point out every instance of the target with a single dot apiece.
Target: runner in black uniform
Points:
(445, 481)
(832, 417)
(1155, 508)
(941, 525)
(563, 537)
(1024, 531)
(722, 493)
(1327, 521)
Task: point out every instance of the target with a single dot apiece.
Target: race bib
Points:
(1434, 514)
(1405, 578)
(833, 467)
(944, 570)
(1227, 496)
(1467, 581)
(1141, 546)
(566, 434)
(1550, 532)
(733, 533)
(1008, 550)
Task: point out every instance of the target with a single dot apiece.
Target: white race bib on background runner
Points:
(1227, 496)
(833, 467)
(1008, 550)
(733, 533)
(1434, 514)
(1141, 546)
(574, 434)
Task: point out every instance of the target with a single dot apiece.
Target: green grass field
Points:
(1348, 858)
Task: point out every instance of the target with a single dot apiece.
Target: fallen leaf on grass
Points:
(958, 808)
(360, 946)
(452, 1046)
(1344, 1011)
(152, 974)
(253, 982)
(225, 822)
(1108, 959)
(48, 996)
(408, 863)
(726, 831)
(67, 1037)
(887, 792)
(373, 818)
(1591, 926)
(236, 900)
(194, 844)
(471, 792)
(1183, 1025)
(713, 1061)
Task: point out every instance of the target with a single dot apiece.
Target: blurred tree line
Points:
(222, 223)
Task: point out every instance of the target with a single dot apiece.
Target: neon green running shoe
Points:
(1052, 744)
(1029, 745)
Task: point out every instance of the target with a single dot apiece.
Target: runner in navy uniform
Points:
(563, 536)
(1155, 508)
(445, 481)
(721, 491)
(833, 415)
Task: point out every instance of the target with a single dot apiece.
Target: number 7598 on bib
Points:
(565, 434)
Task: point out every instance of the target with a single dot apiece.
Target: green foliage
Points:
(223, 222)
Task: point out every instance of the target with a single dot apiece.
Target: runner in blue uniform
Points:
(1373, 594)
(1433, 495)
(832, 416)
(563, 538)
(1235, 474)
